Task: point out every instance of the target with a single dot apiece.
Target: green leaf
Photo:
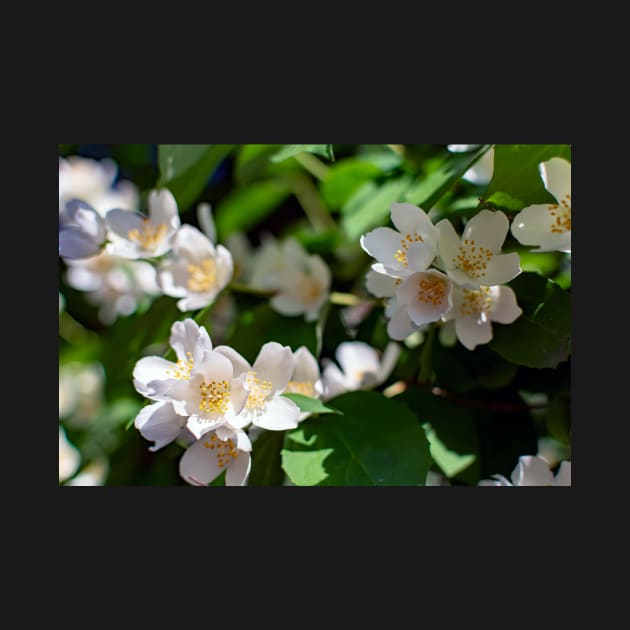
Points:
(427, 191)
(289, 150)
(266, 467)
(243, 208)
(344, 178)
(516, 181)
(541, 337)
(370, 205)
(312, 405)
(186, 168)
(377, 442)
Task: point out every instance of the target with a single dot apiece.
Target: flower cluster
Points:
(466, 283)
(533, 470)
(121, 256)
(211, 396)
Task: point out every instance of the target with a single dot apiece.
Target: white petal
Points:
(159, 423)
(501, 269)
(334, 381)
(204, 217)
(448, 242)
(356, 358)
(400, 326)
(556, 173)
(69, 456)
(280, 414)
(200, 464)
(420, 256)
(193, 244)
(200, 426)
(481, 171)
(532, 471)
(500, 481)
(382, 244)
(563, 476)
(214, 367)
(202, 347)
(488, 229)
(121, 222)
(388, 361)
(150, 369)
(287, 304)
(76, 245)
(87, 219)
(462, 148)
(409, 219)
(163, 209)
(239, 362)
(195, 302)
(505, 309)
(238, 470)
(305, 367)
(472, 332)
(274, 363)
(225, 267)
(184, 335)
(379, 284)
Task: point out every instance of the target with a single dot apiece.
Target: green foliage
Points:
(376, 442)
(290, 150)
(516, 181)
(312, 405)
(185, 169)
(344, 178)
(541, 337)
(427, 191)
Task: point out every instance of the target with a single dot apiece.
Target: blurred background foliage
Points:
(479, 410)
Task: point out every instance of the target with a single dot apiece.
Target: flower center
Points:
(258, 391)
(431, 290)
(224, 451)
(473, 260)
(182, 369)
(203, 276)
(148, 237)
(401, 254)
(301, 387)
(215, 396)
(561, 215)
(476, 302)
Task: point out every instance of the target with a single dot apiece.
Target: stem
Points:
(243, 288)
(312, 165)
(312, 204)
(346, 299)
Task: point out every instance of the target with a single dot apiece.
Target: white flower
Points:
(305, 378)
(481, 171)
(92, 181)
(361, 368)
(135, 236)
(114, 284)
(206, 221)
(474, 309)
(475, 259)
(265, 381)
(80, 391)
(216, 451)
(85, 232)
(195, 270)
(548, 226)
(426, 295)
(304, 289)
(409, 248)
(201, 387)
(532, 470)
(69, 457)
(94, 474)
(271, 261)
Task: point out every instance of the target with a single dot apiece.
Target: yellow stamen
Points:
(202, 277)
(148, 237)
